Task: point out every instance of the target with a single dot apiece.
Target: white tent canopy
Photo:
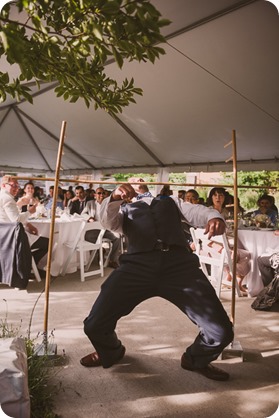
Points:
(220, 73)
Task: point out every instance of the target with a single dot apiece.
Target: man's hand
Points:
(215, 226)
(125, 191)
(31, 229)
(32, 209)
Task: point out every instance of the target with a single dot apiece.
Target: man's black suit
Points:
(77, 206)
(147, 270)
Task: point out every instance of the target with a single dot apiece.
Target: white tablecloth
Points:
(64, 231)
(257, 242)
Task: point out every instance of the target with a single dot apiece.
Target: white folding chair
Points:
(35, 270)
(107, 244)
(214, 254)
(82, 246)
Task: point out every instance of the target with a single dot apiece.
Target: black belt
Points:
(163, 246)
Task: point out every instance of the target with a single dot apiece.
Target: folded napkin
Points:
(77, 216)
(65, 217)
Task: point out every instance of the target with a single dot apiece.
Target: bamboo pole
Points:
(144, 182)
(51, 233)
(235, 221)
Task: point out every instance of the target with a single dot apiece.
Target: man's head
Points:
(181, 194)
(10, 184)
(79, 192)
(100, 194)
(51, 190)
(137, 186)
(192, 196)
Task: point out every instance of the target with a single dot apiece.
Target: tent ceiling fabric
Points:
(219, 74)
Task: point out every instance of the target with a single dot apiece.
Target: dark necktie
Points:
(81, 206)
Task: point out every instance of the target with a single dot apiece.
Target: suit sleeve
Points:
(197, 215)
(111, 216)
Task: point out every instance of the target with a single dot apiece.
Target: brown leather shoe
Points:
(93, 359)
(113, 264)
(211, 372)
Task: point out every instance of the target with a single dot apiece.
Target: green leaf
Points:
(118, 57)
(97, 33)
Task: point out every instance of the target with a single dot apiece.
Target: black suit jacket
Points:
(15, 255)
(75, 206)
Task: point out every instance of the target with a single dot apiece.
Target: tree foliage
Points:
(71, 41)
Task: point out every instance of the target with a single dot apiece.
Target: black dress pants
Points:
(173, 275)
(40, 248)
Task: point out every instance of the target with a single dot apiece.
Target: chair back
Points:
(89, 226)
(214, 254)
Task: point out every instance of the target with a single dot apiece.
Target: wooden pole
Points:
(235, 221)
(144, 182)
(51, 233)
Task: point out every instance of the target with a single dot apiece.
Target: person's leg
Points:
(92, 235)
(267, 273)
(184, 284)
(40, 248)
(116, 246)
(125, 288)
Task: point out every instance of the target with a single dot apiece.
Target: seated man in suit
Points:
(10, 212)
(92, 213)
(78, 203)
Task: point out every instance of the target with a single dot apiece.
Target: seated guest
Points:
(217, 200)
(264, 264)
(68, 196)
(165, 192)
(29, 192)
(230, 205)
(181, 194)
(49, 200)
(10, 212)
(107, 193)
(265, 202)
(192, 196)
(92, 213)
(78, 203)
(90, 192)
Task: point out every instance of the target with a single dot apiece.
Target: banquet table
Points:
(65, 230)
(258, 242)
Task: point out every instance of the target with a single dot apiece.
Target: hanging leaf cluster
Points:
(71, 42)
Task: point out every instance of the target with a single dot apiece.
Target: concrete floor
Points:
(149, 381)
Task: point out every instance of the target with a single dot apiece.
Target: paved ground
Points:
(149, 381)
